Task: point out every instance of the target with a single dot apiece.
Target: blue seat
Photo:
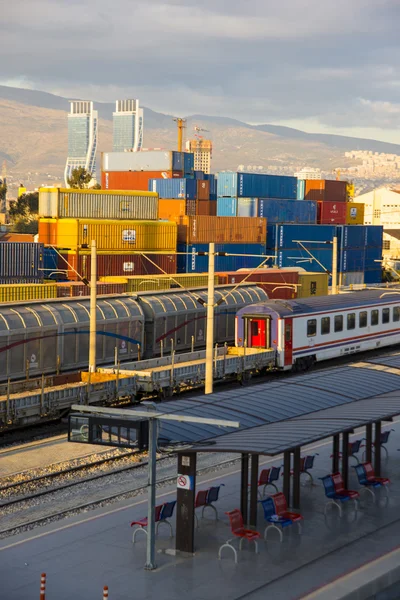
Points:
(330, 492)
(366, 478)
(271, 517)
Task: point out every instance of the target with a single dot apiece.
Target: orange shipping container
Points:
(48, 231)
(326, 190)
(172, 208)
(222, 230)
(133, 180)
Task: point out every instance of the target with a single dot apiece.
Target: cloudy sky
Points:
(319, 65)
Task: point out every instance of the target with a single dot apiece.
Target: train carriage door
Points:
(258, 333)
(288, 341)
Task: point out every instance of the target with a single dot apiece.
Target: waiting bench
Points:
(337, 493)
(277, 514)
(366, 477)
(205, 499)
(266, 478)
(239, 531)
(163, 512)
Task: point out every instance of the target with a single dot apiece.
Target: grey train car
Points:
(43, 337)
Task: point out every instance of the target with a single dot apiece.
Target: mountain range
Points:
(34, 138)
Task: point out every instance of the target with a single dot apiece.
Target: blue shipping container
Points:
(283, 236)
(374, 235)
(199, 175)
(191, 263)
(213, 185)
(351, 259)
(287, 211)
(254, 185)
(297, 257)
(351, 236)
(247, 207)
(174, 188)
(301, 189)
(372, 256)
(50, 264)
(188, 164)
(373, 276)
(227, 207)
(177, 161)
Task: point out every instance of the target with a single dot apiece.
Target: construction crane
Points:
(181, 124)
(3, 196)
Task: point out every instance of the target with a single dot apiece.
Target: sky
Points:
(317, 65)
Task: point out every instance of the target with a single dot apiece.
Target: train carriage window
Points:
(363, 319)
(396, 313)
(385, 315)
(311, 327)
(351, 321)
(338, 323)
(374, 317)
(325, 325)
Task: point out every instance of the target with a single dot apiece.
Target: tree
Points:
(3, 190)
(80, 178)
(24, 226)
(26, 205)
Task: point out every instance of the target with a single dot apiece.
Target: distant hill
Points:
(34, 137)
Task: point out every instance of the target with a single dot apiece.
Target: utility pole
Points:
(93, 295)
(210, 320)
(334, 266)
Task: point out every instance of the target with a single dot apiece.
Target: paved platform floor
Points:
(85, 552)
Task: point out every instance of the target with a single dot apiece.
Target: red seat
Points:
(340, 489)
(239, 531)
(281, 508)
(370, 475)
(201, 498)
(143, 522)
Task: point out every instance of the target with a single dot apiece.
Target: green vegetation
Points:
(80, 178)
(24, 213)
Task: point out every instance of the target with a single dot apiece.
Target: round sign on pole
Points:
(184, 482)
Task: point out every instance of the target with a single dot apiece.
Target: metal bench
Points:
(266, 478)
(276, 513)
(353, 449)
(239, 531)
(162, 513)
(383, 441)
(366, 477)
(206, 499)
(336, 492)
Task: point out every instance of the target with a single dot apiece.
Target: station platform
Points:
(85, 552)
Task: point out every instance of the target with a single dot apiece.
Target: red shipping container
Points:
(118, 265)
(277, 283)
(203, 190)
(74, 288)
(329, 213)
(325, 190)
(133, 180)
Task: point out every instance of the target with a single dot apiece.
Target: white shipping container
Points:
(97, 204)
(156, 160)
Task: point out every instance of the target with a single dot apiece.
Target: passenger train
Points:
(310, 330)
(53, 336)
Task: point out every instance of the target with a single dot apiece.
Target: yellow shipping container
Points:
(142, 283)
(113, 234)
(27, 291)
(355, 213)
(312, 284)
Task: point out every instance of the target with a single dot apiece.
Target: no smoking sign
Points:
(184, 482)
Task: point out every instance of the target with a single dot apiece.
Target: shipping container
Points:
(288, 236)
(373, 276)
(50, 263)
(203, 190)
(174, 188)
(319, 261)
(174, 281)
(326, 190)
(277, 283)
(301, 189)
(213, 185)
(199, 175)
(97, 204)
(171, 208)
(190, 262)
(351, 259)
(373, 258)
(203, 230)
(287, 211)
(351, 278)
(134, 180)
(18, 292)
(71, 289)
(204, 208)
(247, 207)
(113, 235)
(154, 160)
(355, 213)
(374, 236)
(227, 207)
(114, 264)
(332, 213)
(352, 236)
(312, 284)
(188, 164)
(21, 260)
(252, 185)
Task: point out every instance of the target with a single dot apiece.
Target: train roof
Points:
(317, 304)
